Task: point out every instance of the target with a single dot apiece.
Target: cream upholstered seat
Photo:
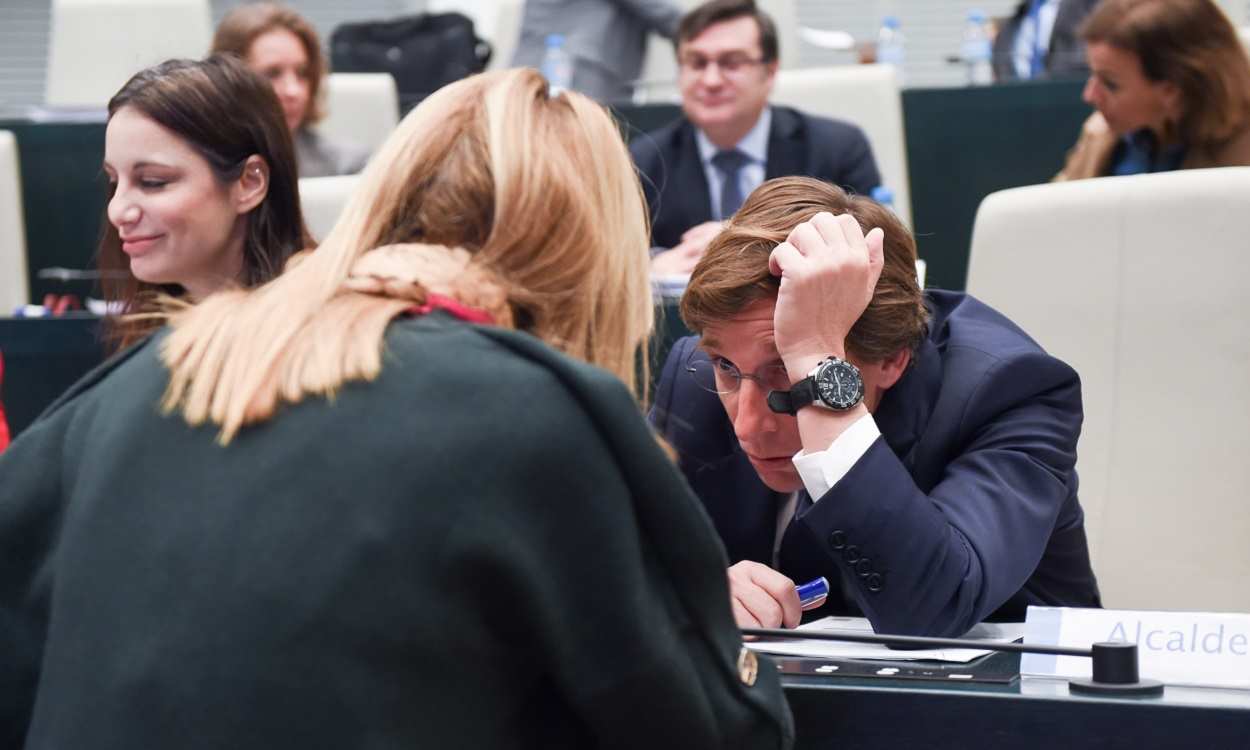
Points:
(13, 279)
(97, 45)
(323, 199)
(866, 95)
(361, 108)
(1140, 284)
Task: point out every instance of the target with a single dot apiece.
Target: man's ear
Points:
(253, 184)
(893, 367)
(770, 72)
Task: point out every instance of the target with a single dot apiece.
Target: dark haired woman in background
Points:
(283, 46)
(202, 187)
(1171, 83)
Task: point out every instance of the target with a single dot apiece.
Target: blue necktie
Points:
(1038, 58)
(729, 163)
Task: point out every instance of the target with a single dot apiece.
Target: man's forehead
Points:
(749, 330)
(731, 35)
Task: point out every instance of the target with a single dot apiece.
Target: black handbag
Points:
(423, 52)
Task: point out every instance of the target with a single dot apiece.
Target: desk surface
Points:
(849, 712)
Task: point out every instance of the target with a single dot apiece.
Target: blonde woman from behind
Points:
(387, 501)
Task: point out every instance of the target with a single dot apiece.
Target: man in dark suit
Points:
(697, 170)
(1042, 40)
(916, 450)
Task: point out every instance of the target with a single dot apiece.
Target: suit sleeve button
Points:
(851, 554)
(837, 539)
(864, 567)
(874, 582)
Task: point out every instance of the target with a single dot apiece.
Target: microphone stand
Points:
(1115, 662)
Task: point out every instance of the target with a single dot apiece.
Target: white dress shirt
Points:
(820, 471)
(754, 144)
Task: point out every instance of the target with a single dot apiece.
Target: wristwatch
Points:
(833, 384)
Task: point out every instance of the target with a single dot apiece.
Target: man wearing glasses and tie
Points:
(915, 449)
(697, 171)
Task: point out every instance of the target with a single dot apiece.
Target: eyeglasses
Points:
(719, 375)
(728, 65)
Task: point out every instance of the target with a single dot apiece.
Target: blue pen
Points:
(813, 593)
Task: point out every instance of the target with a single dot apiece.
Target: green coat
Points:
(483, 548)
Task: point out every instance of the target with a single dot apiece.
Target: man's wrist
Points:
(799, 365)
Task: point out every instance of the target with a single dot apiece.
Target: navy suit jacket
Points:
(675, 181)
(964, 510)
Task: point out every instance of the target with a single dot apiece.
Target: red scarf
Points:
(455, 307)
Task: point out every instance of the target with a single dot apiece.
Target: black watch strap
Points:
(802, 393)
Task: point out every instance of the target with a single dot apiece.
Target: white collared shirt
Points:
(820, 471)
(1031, 36)
(754, 144)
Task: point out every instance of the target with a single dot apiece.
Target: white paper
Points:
(999, 632)
(670, 285)
(1178, 648)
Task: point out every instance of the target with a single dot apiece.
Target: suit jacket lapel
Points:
(804, 559)
(689, 192)
(787, 151)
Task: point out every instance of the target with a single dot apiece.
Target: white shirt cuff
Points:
(820, 471)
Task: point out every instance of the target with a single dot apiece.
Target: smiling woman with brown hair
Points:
(398, 496)
(202, 190)
(1171, 84)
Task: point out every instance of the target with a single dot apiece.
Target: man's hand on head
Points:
(761, 597)
(829, 270)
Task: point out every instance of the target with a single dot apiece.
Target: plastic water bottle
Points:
(557, 65)
(890, 45)
(883, 195)
(976, 50)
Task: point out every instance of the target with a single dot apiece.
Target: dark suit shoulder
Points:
(961, 320)
(654, 144)
(789, 122)
(828, 149)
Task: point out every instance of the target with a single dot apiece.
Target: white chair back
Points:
(97, 45)
(866, 95)
(323, 199)
(1140, 284)
(13, 280)
(361, 108)
(506, 32)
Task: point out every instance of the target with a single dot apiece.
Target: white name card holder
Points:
(1179, 648)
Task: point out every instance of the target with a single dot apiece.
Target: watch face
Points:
(839, 385)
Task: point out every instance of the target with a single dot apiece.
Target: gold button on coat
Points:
(748, 666)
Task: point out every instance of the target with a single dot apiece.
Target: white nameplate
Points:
(1176, 648)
